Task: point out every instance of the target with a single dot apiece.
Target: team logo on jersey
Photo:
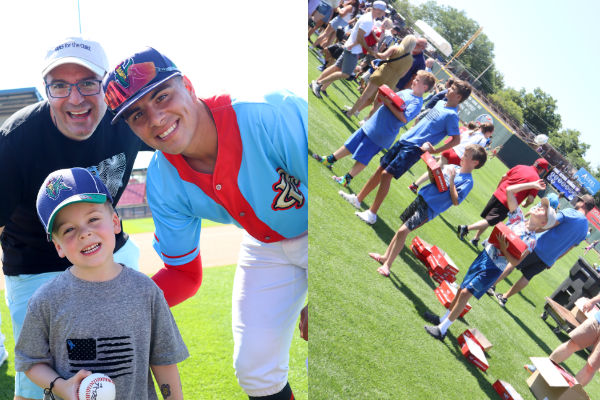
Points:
(288, 194)
(55, 186)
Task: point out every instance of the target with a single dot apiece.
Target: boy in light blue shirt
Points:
(441, 121)
(381, 129)
(430, 202)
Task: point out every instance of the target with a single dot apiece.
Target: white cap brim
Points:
(98, 70)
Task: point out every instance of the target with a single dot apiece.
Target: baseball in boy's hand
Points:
(97, 387)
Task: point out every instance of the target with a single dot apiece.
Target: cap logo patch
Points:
(54, 186)
(121, 72)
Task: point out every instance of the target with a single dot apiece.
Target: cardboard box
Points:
(551, 382)
(506, 391)
(443, 261)
(477, 337)
(474, 354)
(445, 294)
(435, 169)
(420, 249)
(516, 247)
(385, 91)
(577, 312)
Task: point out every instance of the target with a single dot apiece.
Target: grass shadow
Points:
(478, 374)
(453, 229)
(529, 332)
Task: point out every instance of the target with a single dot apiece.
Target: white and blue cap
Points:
(68, 186)
(553, 199)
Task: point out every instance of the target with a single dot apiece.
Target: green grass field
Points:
(367, 336)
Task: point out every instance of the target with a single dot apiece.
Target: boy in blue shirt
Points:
(381, 129)
(490, 263)
(441, 121)
(430, 202)
(570, 229)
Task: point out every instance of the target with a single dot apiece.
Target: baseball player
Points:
(231, 161)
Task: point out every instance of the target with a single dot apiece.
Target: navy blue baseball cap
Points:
(68, 186)
(134, 77)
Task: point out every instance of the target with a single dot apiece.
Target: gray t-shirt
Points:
(118, 327)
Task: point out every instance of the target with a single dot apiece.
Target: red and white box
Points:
(385, 90)
(516, 247)
(420, 249)
(475, 354)
(475, 335)
(435, 169)
(552, 382)
(445, 294)
(506, 391)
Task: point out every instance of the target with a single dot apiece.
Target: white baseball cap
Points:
(380, 5)
(76, 50)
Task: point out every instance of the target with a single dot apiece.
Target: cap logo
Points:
(121, 72)
(54, 186)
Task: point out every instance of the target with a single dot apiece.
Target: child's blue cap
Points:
(68, 186)
(553, 199)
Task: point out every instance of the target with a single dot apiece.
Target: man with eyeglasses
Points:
(70, 129)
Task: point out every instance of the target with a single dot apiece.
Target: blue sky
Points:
(548, 44)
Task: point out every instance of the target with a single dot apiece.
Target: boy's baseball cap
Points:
(380, 5)
(76, 50)
(68, 186)
(542, 163)
(134, 77)
(553, 199)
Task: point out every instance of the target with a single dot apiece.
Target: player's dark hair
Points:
(463, 88)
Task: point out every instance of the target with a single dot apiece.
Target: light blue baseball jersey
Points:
(438, 122)
(383, 126)
(259, 181)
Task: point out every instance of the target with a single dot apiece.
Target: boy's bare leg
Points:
(517, 287)
(371, 184)
(458, 304)
(356, 169)
(341, 153)
(392, 251)
(382, 191)
(365, 98)
(480, 226)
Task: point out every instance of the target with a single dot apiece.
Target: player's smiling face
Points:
(85, 234)
(166, 117)
(76, 116)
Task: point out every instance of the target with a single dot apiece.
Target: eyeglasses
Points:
(128, 80)
(86, 87)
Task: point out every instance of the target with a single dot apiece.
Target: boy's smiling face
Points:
(85, 234)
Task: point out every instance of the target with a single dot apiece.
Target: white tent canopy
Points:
(434, 38)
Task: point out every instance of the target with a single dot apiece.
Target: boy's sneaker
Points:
(431, 317)
(323, 92)
(530, 368)
(322, 160)
(475, 242)
(462, 231)
(321, 68)
(501, 300)
(361, 122)
(367, 216)
(340, 179)
(492, 291)
(316, 89)
(413, 188)
(435, 332)
(347, 110)
(350, 198)
(3, 357)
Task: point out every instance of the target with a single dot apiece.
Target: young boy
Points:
(441, 121)
(430, 202)
(490, 263)
(380, 131)
(480, 136)
(97, 315)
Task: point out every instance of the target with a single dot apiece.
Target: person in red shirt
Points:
(496, 209)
